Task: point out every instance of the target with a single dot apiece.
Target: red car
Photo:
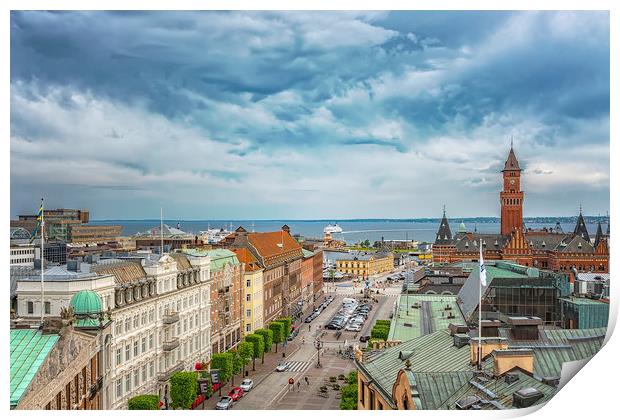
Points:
(236, 393)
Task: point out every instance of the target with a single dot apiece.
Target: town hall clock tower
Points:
(511, 198)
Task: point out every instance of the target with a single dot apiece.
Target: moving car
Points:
(225, 403)
(236, 393)
(246, 384)
(364, 338)
(282, 366)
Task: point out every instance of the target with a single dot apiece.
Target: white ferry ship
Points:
(332, 229)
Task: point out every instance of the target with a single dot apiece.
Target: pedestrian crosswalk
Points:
(293, 366)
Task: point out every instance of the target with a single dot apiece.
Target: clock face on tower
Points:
(512, 182)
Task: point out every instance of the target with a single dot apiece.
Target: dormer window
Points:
(543, 244)
(496, 244)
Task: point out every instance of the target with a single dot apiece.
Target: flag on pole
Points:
(483, 270)
(39, 223)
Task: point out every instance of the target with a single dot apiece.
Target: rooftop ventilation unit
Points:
(511, 378)
(526, 397)
(460, 340)
(467, 402)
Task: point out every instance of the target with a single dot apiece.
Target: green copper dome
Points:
(86, 302)
(462, 227)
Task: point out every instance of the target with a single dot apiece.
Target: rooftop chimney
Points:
(524, 327)
(489, 344)
(490, 327)
(286, 228)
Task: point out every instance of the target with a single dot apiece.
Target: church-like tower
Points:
(511, 198)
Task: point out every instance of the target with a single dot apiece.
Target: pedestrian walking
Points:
(307, 381)
(298, 385)
(303, 340)
(309, 327)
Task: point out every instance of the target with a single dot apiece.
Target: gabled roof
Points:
(512, 164)
(578, 244)
(444, 235)
(271, 244)
(123, 272)
(581, 229)
(29, 349)
(490, 242)
(246, 257)
(182, 261)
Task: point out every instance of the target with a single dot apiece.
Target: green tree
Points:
(144, 402)
(278, 332)
(352, 377)
(258, 347)
(380, 331)
(246, 353)
(224, 363)
(267, 338)
(183, 389)
(236, 362)
(288, 322)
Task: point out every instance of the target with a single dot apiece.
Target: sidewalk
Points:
(261, 372)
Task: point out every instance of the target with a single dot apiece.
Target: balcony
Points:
(171, 318)
(165, 375)
(171, 344)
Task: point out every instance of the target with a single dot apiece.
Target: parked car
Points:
(246, 384)
(364, 338)
(236, 393)
(225, 403)
(353, 327)
(282, 366)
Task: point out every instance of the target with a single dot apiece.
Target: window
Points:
(150, 341)
(128, 383)
(30, 307)
(191, 322)
(248, 313)
(144, 373)
(152, 315)
(136, 378)
(363, 394)
(248, 297)
(127, 324)
(135, 321)
(119, 356)
(143, 318)
(48, 308)
(127, 353)
(135, 348)
(248, 283)
(248, 327)
(118, 328)
(151, 369)
(143, 344)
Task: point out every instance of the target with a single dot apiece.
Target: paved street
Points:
(271, 389)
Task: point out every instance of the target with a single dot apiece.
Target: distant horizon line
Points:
(334, 220)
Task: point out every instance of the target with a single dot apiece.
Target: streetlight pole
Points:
(318, 345)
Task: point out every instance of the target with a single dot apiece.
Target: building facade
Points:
(363, 264)
(160, 308)
(226, 297)
(547, 249)
(253, 292)
(280, 255)
(22, 256)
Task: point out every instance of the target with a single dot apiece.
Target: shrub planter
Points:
(332, 379)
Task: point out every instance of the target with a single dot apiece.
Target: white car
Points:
(246, 385)
(225, 403)
(354, 327)
(281, 367)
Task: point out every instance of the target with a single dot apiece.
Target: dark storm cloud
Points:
(228, 99)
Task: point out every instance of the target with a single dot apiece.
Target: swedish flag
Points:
(39, 223)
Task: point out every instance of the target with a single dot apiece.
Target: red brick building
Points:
(281, 257)
(549, 248)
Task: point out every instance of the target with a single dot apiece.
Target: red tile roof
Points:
(266, 243)
(246, 257)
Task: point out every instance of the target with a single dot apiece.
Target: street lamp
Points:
(318, 345)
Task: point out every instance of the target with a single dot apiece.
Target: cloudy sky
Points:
(221, 115)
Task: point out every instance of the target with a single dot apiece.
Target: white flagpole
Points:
(42, 262)
(482, 281)
(161, 229)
